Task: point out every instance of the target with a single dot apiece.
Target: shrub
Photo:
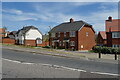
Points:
(46, 47)
(60, 48)
(106, 50)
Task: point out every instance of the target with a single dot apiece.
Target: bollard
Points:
(99, 55)
(115, 56)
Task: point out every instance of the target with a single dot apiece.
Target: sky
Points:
(15, 15)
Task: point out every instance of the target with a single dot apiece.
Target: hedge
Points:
(106, 50)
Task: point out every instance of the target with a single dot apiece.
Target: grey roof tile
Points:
(67, 27)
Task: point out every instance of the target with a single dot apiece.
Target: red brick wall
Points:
(87, 41)
(43, 44)
(116, 41)
(30, 42)
(80, 39)
(33, 43)
(114, 25)
(8, 41)
(100, 40)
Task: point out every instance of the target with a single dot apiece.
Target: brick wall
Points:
(100, 40)
(8, 41)
(114, 24)
(33, 43)
(86, 42)
(30, 42)
(43, 44)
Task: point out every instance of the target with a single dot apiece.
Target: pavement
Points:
(109, 58)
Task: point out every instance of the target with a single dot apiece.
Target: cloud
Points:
(56, 14)
(12, 11)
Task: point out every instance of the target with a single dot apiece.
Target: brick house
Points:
(101, 38)
(112, 32)
(77, 35)
(10, 38)
(2, 34)
(29, 36)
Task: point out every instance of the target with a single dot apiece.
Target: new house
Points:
(77, 35)
(29, 36)
(111, 36)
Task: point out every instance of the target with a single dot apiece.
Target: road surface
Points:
(81, 68)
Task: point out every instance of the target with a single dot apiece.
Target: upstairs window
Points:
(86, 33)
(52, 34)
(72, 34)
(115, 34)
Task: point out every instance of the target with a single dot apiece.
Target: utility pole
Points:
(50, 36)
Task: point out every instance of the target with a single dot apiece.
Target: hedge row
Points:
(106, 50)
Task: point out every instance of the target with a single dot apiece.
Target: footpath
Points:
(109, 58)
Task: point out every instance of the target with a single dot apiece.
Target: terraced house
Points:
(77, 35)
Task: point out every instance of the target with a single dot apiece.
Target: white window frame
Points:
(60, 43)
(72, 43)
(72, 34)
(87, 33)
(58, 34)
(52, 34)
(39, 41)
(64, 34)
(52, 43)
(115, 34)
(115, 45)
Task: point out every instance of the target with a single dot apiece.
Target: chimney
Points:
(71, 20)
(110, 18)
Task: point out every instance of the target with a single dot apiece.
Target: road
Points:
(91, 67)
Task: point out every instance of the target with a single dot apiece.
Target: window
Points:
(60, 43)
(52, 43)
(115, 34)
(72, 43)
(39, 41)
(63, 44)
(52, 34)
(86, 33)
(59, 34)
(114, 45)
(64, 34)
(72, 34)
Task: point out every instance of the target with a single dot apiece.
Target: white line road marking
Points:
(11, 60)
(56, 66)
(106, 73)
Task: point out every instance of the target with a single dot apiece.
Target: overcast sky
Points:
(15, 15)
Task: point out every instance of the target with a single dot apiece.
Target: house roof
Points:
(13, 33)
(103, 34)
(25, 29)
(69, 26)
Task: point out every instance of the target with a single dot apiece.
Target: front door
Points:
(57, 44)
(66, 45)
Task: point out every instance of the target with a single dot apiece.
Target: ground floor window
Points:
(114, 46)
(60, 43)
(39, 41)
(72, 43)
(52, 43)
